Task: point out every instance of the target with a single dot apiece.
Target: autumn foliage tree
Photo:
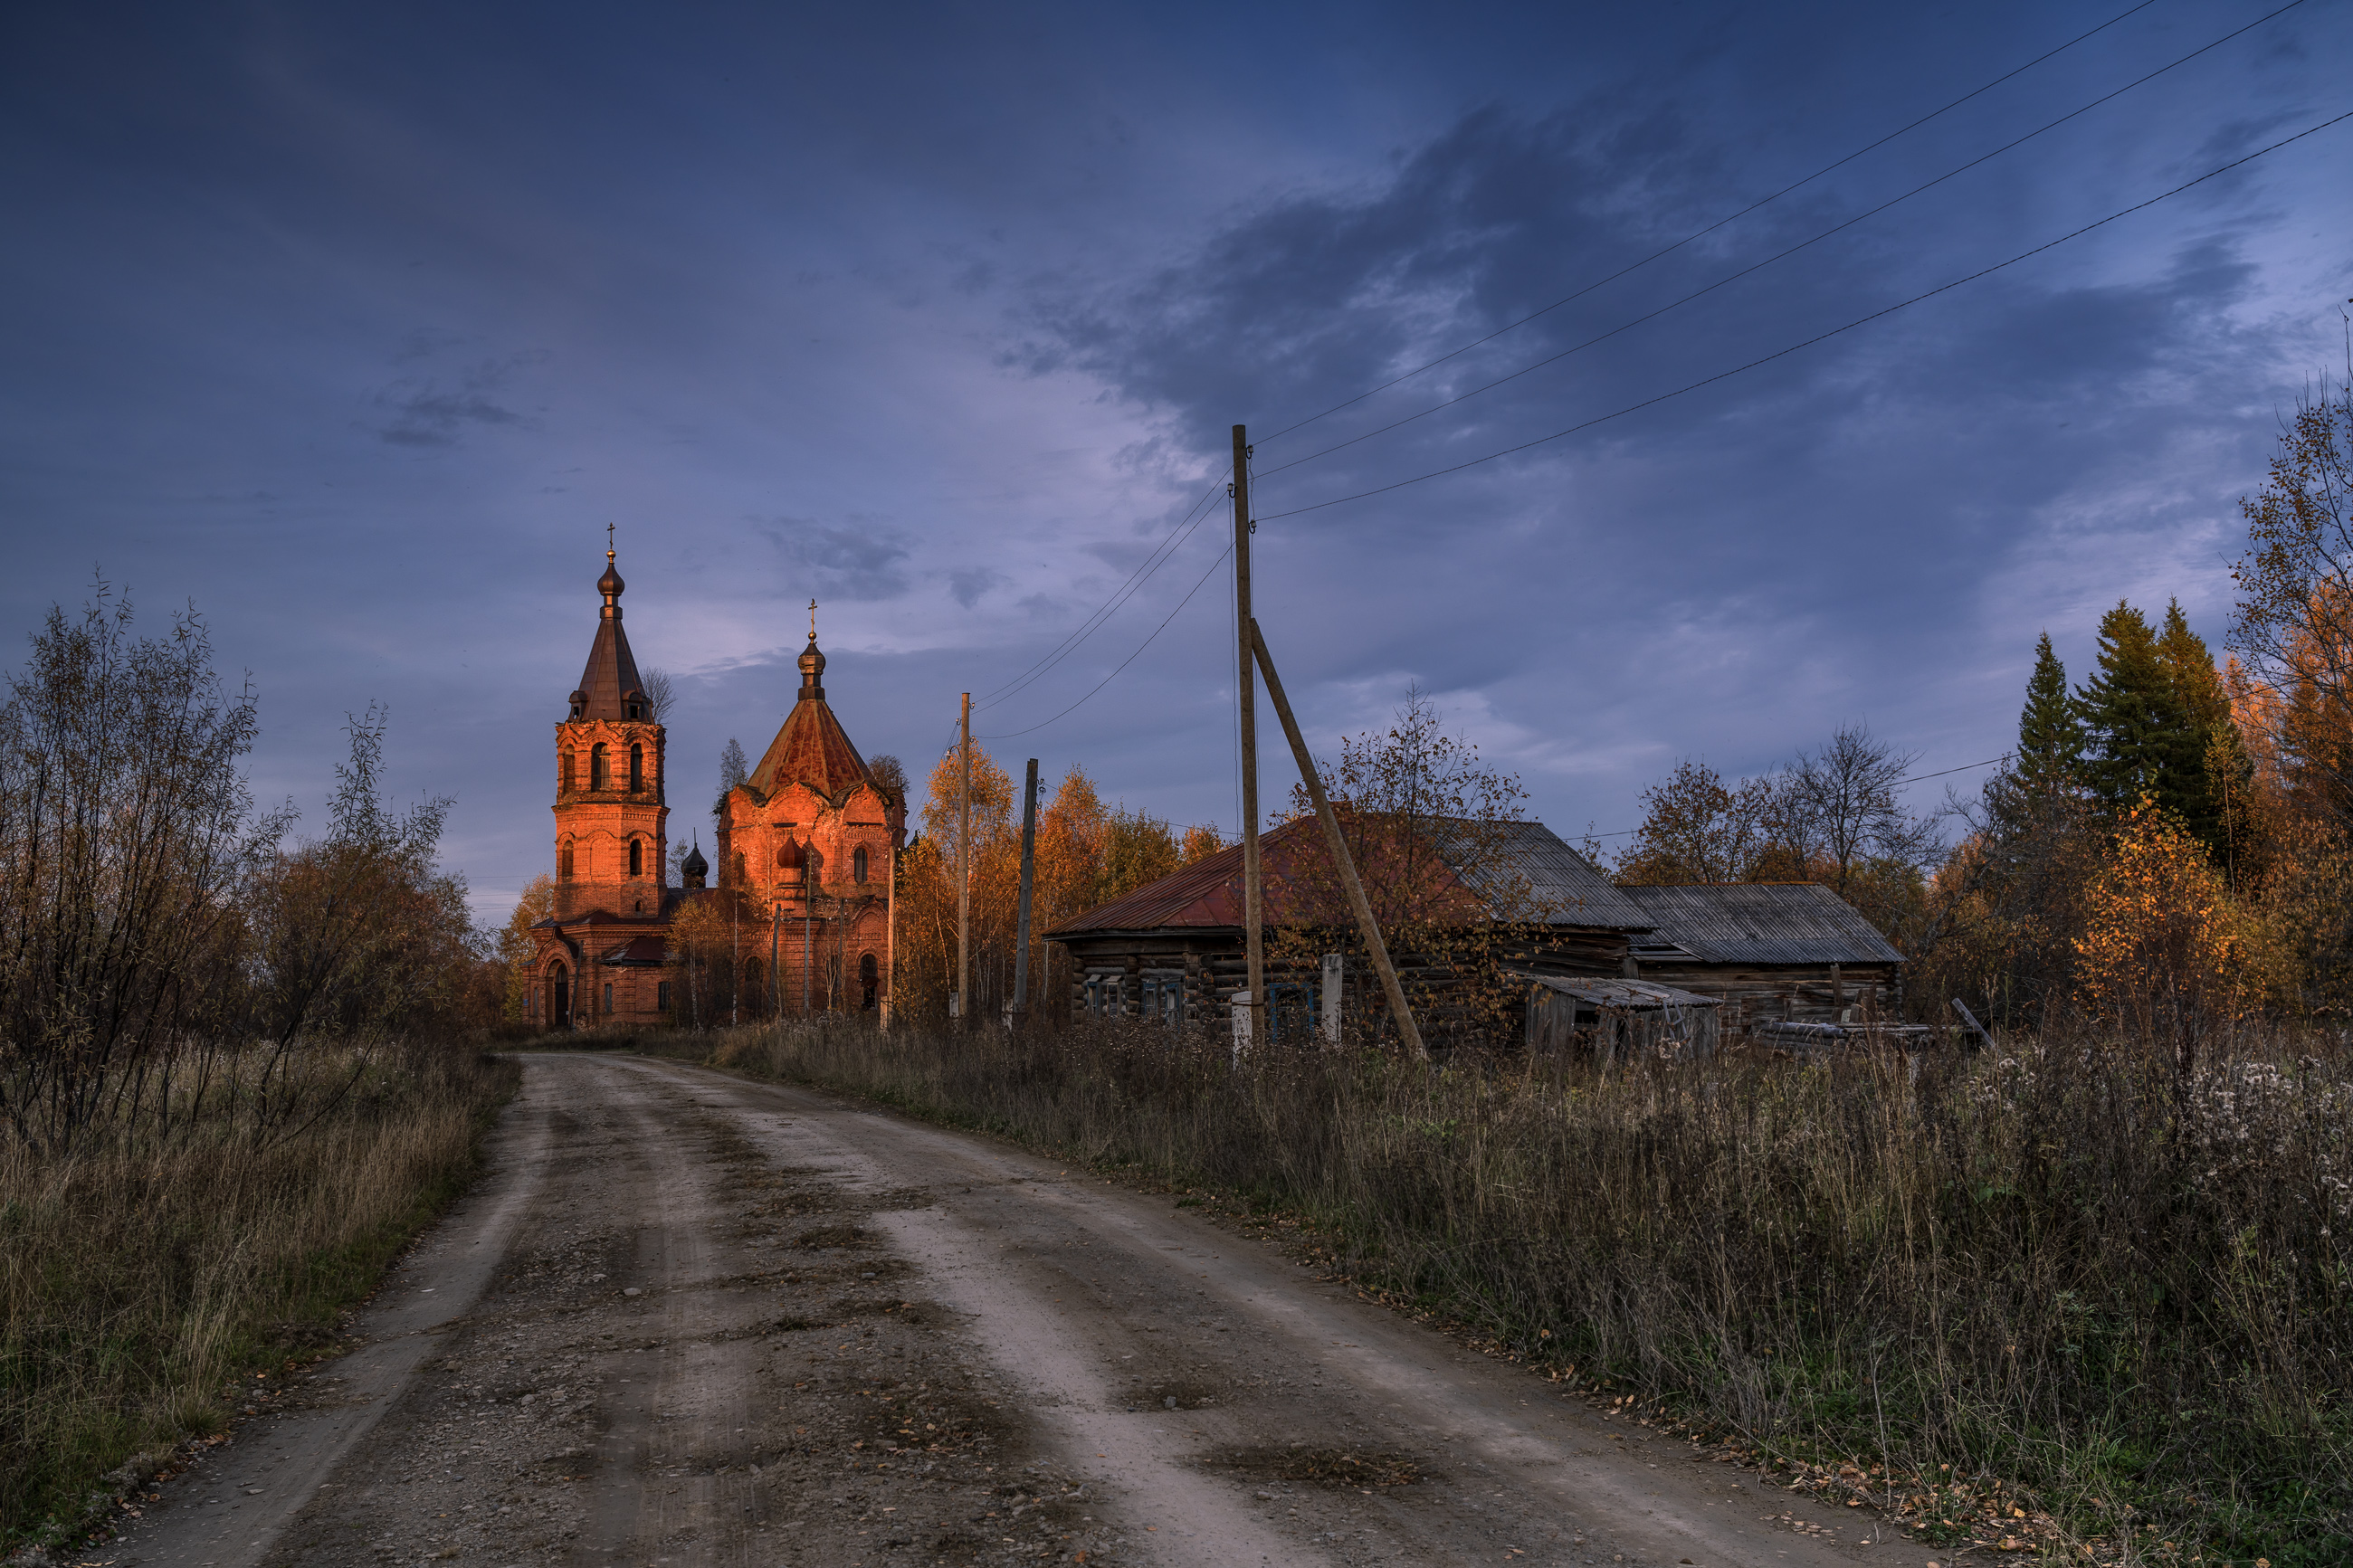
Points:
(2165, 950)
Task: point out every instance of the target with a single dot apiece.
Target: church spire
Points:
(609, 688)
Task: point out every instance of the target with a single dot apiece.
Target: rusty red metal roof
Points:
(812, 749)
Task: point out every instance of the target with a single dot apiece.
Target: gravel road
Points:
(690, 1320)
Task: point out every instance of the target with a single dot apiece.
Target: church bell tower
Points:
(610, 811)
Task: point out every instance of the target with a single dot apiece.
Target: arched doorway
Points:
(559, 998)
(869, 977)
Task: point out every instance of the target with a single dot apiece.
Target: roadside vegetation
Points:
(234, 1074)
(2116, 1290)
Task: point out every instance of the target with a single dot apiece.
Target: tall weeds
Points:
(2060, 1263)
(142, 1273)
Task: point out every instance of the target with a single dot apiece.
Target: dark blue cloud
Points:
(358, 327)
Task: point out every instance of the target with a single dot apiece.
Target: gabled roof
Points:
(1534, 868)
(1763, 922)
(1528, 861)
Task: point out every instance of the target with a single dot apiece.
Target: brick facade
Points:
(809, 842)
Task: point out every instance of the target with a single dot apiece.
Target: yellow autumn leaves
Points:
(2163, 939)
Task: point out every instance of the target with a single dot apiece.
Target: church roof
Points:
(612, 673)
(812, 748)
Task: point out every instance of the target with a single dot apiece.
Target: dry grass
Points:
(141, 1278)
(2056, 1266)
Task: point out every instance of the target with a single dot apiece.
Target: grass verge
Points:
(143, 1279)
(2062, 1279)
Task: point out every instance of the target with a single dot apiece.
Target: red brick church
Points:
(807, 847)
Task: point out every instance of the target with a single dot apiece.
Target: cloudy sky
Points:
(356, 326)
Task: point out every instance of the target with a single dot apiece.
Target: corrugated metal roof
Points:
(1624, 995)
(1560, 882)
(1533, 864)
(1763, 922)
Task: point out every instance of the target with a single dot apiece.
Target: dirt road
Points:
(689, 1320)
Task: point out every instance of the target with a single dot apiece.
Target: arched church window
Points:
(636, 857)
(636, 769)
(600, 767)
(571, 781)
(858, 865)
(564, 861)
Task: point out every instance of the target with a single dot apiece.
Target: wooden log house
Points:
(1173, 949)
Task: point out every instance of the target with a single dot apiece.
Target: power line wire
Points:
(1711, 228)
(1131, 659)
(1818, 338)
(1159, 557)
(1730, 278)
(1908, 778)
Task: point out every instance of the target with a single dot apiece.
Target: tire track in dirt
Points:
(1103, 1306)
(691, 1319)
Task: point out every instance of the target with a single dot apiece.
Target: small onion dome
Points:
(610, 583)
(695, 865)
(793, 861)
(812, 664)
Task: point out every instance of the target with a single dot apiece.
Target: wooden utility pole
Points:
(1028, 869)
(964, 871)
(1362, 906)
(1246, 691)
(775, 997)
(890, 931)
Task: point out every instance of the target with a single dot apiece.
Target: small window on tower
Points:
(636, 769)
(636, 857)
(600, 767)
(571, 782)
(563, 862)
(858, 865)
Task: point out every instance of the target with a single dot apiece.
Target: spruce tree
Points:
(2197, 686)
(2137, 729)
(2050, 734)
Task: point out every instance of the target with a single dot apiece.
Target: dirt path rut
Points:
(691, 1319)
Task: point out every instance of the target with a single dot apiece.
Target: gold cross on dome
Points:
(609, 539)
(812, 620)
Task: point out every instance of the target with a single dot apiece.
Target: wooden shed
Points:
(1770, 952)
(1619, 1019)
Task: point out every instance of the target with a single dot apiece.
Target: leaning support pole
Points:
(1363, 906)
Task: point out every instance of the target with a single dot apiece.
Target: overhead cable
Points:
(1816, 338)
(1730, 277)
(1131, 659)
(1152, 562)
(1909, 778)
(1711, 228)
